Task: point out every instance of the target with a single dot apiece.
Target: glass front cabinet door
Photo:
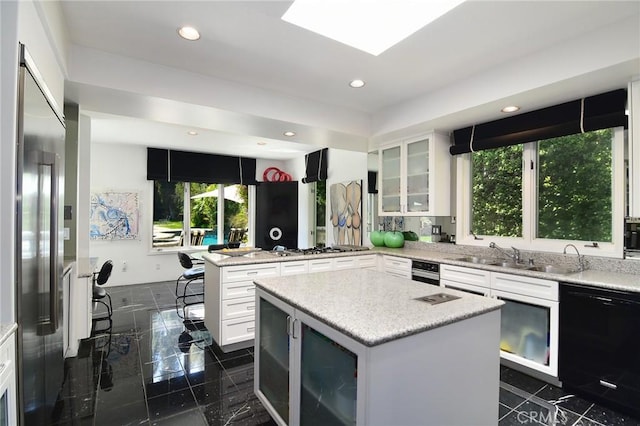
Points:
(307, 373)
(273, 357)
(415, 177)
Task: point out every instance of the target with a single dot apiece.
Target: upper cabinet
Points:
(415, 177)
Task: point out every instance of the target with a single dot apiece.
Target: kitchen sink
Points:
(511, 265)
(552, 269)
(480, 260)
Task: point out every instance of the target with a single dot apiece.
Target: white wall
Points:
(123, 168)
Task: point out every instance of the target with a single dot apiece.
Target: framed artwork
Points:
(114, 216)
(346, 212)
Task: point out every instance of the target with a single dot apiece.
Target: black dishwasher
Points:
(599, 353)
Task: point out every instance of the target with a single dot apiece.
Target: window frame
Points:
(186, 224)
(528, 240)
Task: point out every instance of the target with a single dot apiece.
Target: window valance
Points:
(582, 115)
(185, 166)
(316, 166)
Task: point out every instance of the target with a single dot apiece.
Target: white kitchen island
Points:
(359, 347)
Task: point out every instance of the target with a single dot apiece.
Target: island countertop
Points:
(373, 308)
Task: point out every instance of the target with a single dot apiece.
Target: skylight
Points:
(372, 26)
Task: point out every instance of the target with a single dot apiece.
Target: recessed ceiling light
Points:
(510, 108)
(356, 84)
(261, 143)
(189, 33)
(192, 132)
(370, 26)
(289, 133)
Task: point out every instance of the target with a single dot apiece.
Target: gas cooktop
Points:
(318, 250)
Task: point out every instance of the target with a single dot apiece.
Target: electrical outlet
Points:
(157, 266)
(453, 220)
(124, 266)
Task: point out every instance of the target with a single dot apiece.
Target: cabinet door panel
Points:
(273, 353)
(238, 308)
(328, 385)
(238, 330)
(294, 268)
(390, 183)
(319, 265)
(249, 272)
(238, 289)
(345, 263)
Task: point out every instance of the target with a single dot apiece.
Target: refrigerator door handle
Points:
(48, 183)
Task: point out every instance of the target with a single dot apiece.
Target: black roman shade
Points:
(185, 166)
(372, 179)
(582, 115)
(316, 166)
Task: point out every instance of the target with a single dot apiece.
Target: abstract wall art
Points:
(346, 212)
(114, 216)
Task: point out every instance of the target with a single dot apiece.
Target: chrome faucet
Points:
(580, 257)
(515, 256)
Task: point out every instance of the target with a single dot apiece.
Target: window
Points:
(191, 209)
(547, 193)
(574, 187)
(497, 192)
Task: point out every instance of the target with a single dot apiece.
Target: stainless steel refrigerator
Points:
(39, 246)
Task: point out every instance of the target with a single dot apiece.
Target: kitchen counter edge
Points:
(6, 330)
(351, 315)
(595, 278)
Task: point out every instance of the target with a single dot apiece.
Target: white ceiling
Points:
(247, 43)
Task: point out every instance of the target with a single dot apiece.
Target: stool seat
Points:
(99, 292)
(193, 273)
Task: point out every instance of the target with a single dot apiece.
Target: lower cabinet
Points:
(475, 281)
(398, 266)
(529, 320)
(308, 373)
(229, 293)
(8, 389)
(230, 304)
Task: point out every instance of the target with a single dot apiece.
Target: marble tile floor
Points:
(159, 366)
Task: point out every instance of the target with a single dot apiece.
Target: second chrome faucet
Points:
(515, 256)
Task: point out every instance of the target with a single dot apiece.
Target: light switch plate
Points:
(66, 234)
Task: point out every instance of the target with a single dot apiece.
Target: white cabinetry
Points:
(529, 321)
(415, 177)
(229, 293)
(398, 266)
(77, 305)
(307, 372)
(474, 281)
(229, 302)
(294, 268)
(369, 261)
(321, 265)
(8, 391)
